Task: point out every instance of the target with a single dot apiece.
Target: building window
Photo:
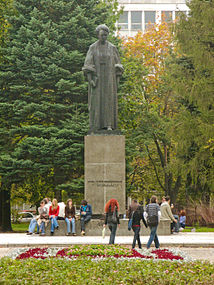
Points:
(123, 21)
(149, 17)
(136, 20)
(166, 16)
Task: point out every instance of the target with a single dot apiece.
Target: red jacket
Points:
(54, 212)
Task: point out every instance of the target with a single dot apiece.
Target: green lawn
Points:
(21, 228)
(109, 271)
(198, 229)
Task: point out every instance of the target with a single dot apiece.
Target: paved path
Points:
(205, 254)
(4, 251)
(179, 240)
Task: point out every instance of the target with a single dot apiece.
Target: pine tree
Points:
(192, 78)
(43, 93)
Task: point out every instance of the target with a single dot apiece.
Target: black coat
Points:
(137, 217)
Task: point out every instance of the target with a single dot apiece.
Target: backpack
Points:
(152, 219)
(112, 217)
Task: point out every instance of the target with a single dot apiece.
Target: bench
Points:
(95, 227)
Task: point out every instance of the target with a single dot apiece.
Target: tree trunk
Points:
(6, 212)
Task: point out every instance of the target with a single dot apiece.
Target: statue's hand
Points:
(92, 83)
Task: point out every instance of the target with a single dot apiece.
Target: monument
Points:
(104, 145)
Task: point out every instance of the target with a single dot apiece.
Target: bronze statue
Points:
(103, 70)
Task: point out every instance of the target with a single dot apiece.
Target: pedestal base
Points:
(104, 171)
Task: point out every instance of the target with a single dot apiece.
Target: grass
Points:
(23, 227)
(198, 229)
(20, 228)
(108, 271)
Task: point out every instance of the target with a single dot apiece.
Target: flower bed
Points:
(98, 252)
(108, 271)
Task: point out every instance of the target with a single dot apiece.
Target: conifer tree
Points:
(43, 93)
(193, 81)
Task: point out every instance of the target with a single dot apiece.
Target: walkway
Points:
(180, 240)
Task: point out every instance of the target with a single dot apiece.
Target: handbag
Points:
(130, 222)
(103, 232)
(112, 217)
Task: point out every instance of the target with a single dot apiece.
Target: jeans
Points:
(175, 225)
(69, 225)
(182, 225)
(33, 224)
(42, 227)
(84, 220)
(54, 223)
(153, 237)
(113, 229)
(136, 237)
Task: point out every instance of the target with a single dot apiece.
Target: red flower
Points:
(33, 253)
(166, 254)
(43, 253)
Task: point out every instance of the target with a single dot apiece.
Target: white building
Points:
(138, 14)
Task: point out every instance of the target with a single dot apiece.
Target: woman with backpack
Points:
(152, 215)
(135, 216)
(112, 218)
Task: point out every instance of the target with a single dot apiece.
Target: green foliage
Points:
(20, 227)
(192, 79)
(147, 106)
(5, 8)
(43, 94)
(166, 108)
(98, 250)
(198, 229)
(85, 271)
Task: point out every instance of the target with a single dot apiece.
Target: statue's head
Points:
(102, 32)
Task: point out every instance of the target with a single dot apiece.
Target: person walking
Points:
(136, 214)
(152, 216)
(53, 214)
(112, 218)
(85, 215)
(166, 213)
(70, 217)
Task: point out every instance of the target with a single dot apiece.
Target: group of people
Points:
(53, 211)
(150, 218)
(136, 213)
(50, 212)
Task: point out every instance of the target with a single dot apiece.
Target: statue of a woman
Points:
(103, 70)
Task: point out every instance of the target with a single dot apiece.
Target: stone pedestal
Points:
(104, 171)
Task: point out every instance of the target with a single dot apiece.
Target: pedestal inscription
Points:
(104, 171)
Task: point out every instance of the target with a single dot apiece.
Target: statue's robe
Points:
(103, 62)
